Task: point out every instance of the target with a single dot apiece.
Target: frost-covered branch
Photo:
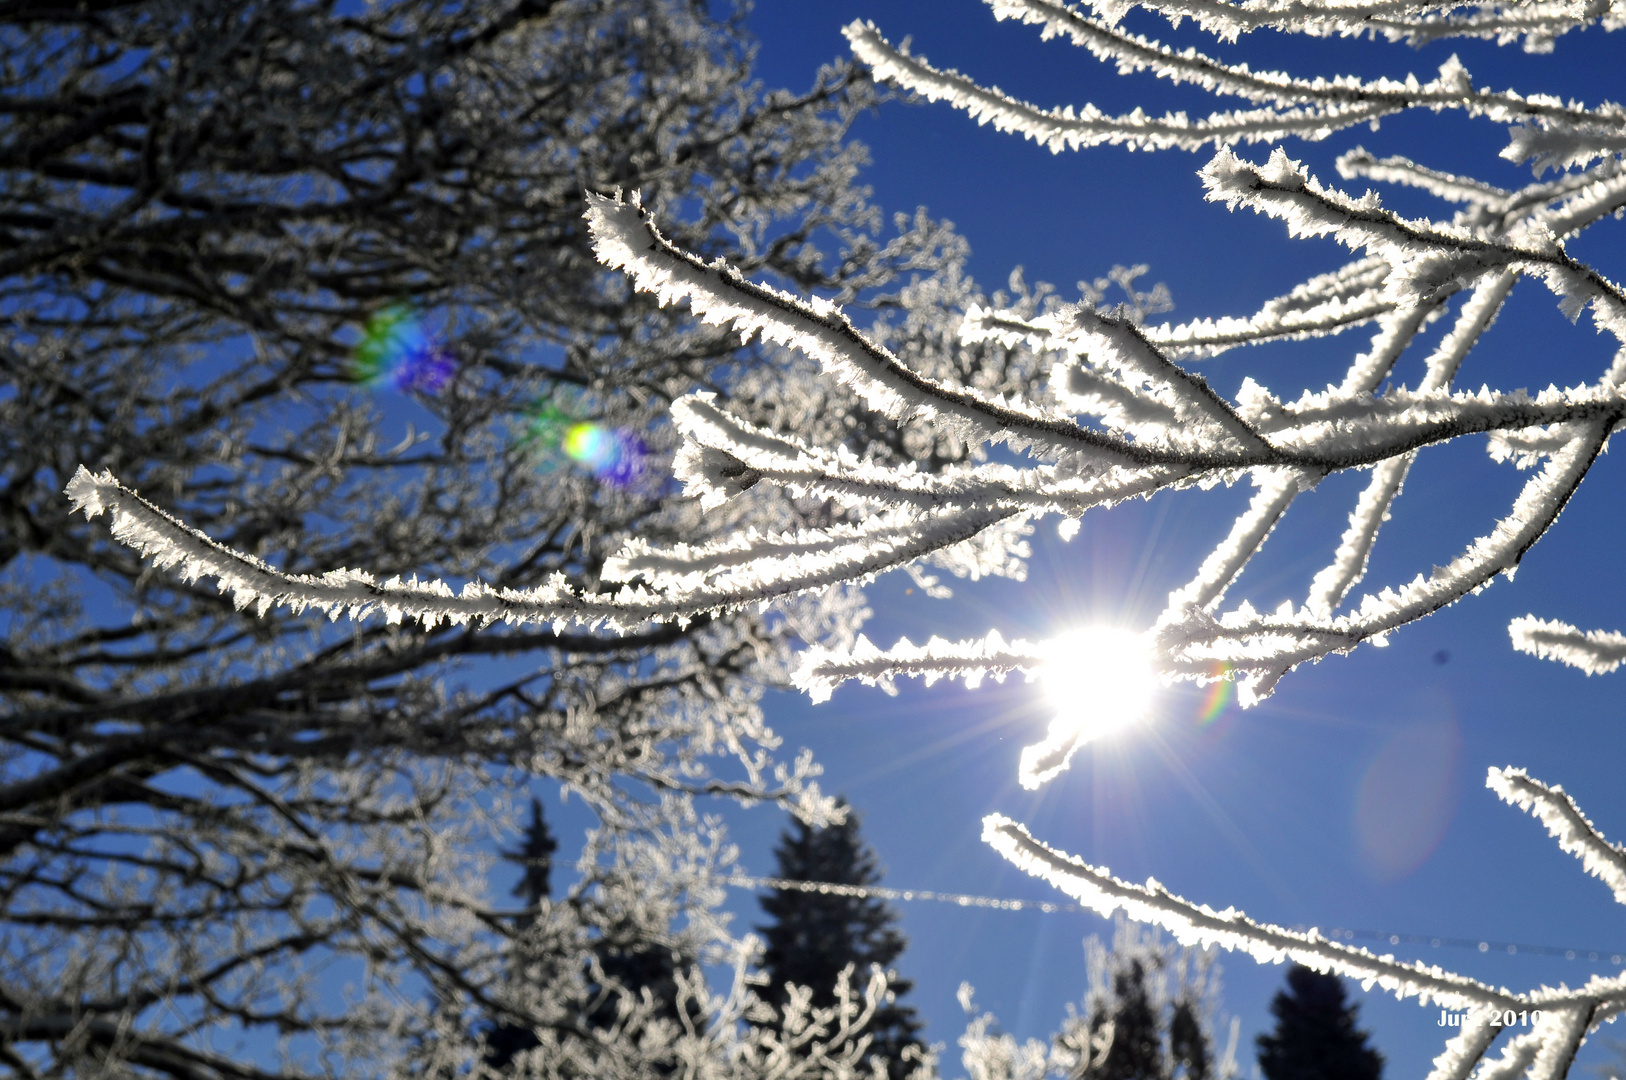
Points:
(813, 561)
(824, 669)
(1156, 426)
(1402, 170)
(1332, 583)
(907, 455)
(1128, 380)
(1596, 652)
(1410, 21)
(1200, 436)
(1326, 304)
(1423, 256)
(1566, 1016)
(1565, 822)
(1195, 924)
(625, 237)
(1263, 648)
(1305, 108)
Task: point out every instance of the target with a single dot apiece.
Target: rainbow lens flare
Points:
(396, 350)
(1220, 694)
(615, 456)
(545, 431)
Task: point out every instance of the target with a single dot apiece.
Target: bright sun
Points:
(1098, 679)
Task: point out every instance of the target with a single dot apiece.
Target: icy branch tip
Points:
(1505, 782)
(862, 35)
(86, 490)
(616, 224)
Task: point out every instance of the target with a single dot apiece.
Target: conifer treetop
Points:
(1316, 1037)
(819, 941)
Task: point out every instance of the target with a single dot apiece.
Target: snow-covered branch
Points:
(626, 238)
(1410, 21)
(1566, 1016)
(1306, 108)
(1195, 924)
(1565, 822)
(1596, 652)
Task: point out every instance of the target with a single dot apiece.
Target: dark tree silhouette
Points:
(1188, 1043)
(1136, 1051)
(534, 855)
(1316, 1036)
(632, 964)
(1133, 1031)
(813, 937)
(627, 961)
(535, 858)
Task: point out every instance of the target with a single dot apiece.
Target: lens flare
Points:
(545, 430)
(1220, 694)
(615, 456)
(397, 351)
(1098, 680)
(1407, 796)
(590, 445)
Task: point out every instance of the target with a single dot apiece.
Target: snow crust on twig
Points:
(823, 669)
(1195, 924)
(625, 238)
(1551, 130)
(1596, 652)
(1409, 21)
(1565, 823)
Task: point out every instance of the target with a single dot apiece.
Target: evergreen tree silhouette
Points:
(813, 936)
(625, 955)
(1137, 1038)
(1148, 1014)
(535, 857)
(505, 1041)
(1188, 1045)
(1139, 1046)
(632, 963)
(1316, 1037)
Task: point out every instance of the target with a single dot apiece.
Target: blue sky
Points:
(1355, 796)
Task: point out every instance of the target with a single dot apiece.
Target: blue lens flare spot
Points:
(615, 456)
(396, 351)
